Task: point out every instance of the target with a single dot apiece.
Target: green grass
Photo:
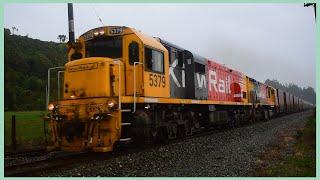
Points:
(29, 126)
(303, 162)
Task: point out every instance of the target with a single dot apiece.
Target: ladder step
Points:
(125, 124)
(125, 139)
(125, 110)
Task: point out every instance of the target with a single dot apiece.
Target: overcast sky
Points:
(275, 41)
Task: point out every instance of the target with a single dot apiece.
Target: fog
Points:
(275, 41)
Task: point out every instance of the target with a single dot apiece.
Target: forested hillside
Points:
(307, 94)
(26, 63)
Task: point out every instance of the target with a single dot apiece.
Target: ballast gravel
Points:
(231, 152)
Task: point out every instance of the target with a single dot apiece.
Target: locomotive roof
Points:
(146, 39)
(169, 44)
(199, 59)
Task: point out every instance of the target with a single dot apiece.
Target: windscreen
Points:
(104, 46)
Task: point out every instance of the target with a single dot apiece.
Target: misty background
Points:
(264, 41)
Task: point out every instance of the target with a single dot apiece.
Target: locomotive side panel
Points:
(177, 71)
(189, 73)
(223, 85)
(262, 95)
(254, 90)
(238, 86)
(272, 96)
(155, 69)
(216, 74)
(200, 78)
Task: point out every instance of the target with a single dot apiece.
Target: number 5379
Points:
(156, 80)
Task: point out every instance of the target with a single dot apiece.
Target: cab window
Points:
(154, 60)
(104, 46)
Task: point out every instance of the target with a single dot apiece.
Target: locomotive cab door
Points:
(156, 72)
(133, 53)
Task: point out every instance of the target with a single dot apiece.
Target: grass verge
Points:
(295, 160)
(29, 128)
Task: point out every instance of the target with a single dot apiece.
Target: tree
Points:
(26, 62)
(14, 29)
(62, 38)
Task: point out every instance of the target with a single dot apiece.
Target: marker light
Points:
(147, 106)
(96, 33)
(50, 107)
(110, 104)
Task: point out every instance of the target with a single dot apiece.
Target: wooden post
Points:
(13, 132)
(45, 132)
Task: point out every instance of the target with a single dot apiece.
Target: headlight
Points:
(50, 107)
(111, 104)
(101, 32)
(73, 95)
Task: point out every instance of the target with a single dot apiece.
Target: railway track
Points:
(32, 164)
(57, 159)
(26, 152)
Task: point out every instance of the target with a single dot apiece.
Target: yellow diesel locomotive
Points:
(121, 85)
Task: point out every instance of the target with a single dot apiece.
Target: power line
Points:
(99, 19)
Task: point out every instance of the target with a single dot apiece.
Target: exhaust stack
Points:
(71, 23)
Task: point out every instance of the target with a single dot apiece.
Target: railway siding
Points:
(227, 153)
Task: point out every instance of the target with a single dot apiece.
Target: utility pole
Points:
(314, 6)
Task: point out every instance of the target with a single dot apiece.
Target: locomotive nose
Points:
(88, 77)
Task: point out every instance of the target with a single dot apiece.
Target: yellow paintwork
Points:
(272, 99)
(143, 76)
(89, 77)
(268, 101)
(250, 89)
(244, 88)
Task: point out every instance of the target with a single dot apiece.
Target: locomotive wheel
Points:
(232, 123)
(181, 132)
(162, 136)
(268, 115)
(140, 128)
(253, 116)
(238, 119)
(172, 134)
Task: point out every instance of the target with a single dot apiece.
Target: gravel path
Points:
(228, 153)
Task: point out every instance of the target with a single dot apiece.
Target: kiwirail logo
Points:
(219, 85)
